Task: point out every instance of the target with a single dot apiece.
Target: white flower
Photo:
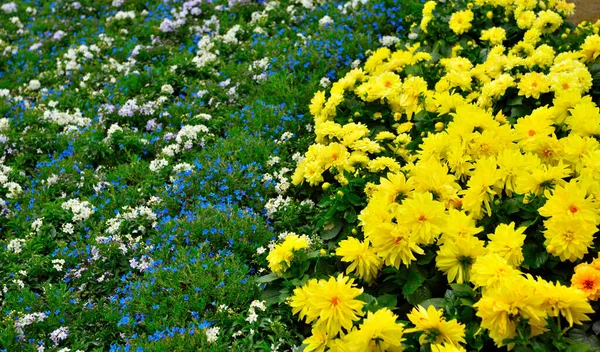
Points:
(260, 250)
(325, 21)
(212, 334)
(34, 84)
(252, 317)
(325, 82)
(388, 40)
(158, 164)
(412, 36)
(167, 89)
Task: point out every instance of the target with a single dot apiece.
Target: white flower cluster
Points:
(58, 264)
(82, 210)
(26, 320)
(122, 15)
(230, 36)
(143, 264)
(130, 214)
(212, 334)
(274, 204)
(73, 57)
(205, 54)
(325, 21)
(9, 7)
(256, 304)
(66, 118)
(34, 84)
(167, 89)
(158, 164)
(14, 189)
(36, 225)
(388, 40)
(114, 128)
(16, 245)
(259, 68)
(59, 334)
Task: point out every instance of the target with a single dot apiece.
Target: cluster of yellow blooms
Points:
(438, 194)
(281, 256)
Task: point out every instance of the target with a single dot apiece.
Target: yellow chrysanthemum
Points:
(378, 332)
(568, 238)
(491, 271)
(460, 21)
(533, 84)
(570, 201)
(281, 256)
(434, 327)
(456, 257)
(507, 242)
(363, 260)
(569, 302)
(317, 341)
(424, 216)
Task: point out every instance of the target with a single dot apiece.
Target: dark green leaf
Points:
(413, 282)
(350, 215)
(438, 303)
(267, 278)
(330, 234)
(389, 301)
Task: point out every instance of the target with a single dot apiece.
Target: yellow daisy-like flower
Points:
(424, 216)
(460, 21)
(363, 261)
(434, 327)
(532, 84)
(568, 238)
(591, 47)
(378, 332)
(491, 271)
(334, 305)
(317, 341)
(395, 244)
(507, 242)
(456, 257)
(281, 256)
(570, 201)
(495, 35)
(569, 302)
(446, 347)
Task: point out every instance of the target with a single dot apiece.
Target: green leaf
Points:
(534, 255)
(421, 294)
(462, 290)
(437, 303)
(389, 301)
(350, 215)
(330, 234)
(413, 282)
(267, 278)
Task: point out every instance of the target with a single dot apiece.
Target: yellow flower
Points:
(456, 257)
(495, 35)
(435, 328)
(500, 309)
(585, 119)
(568, 238)
(569, 302)
(281, 256)
(547, 21)
(570, 201)
(591, 47)
(532, 84)
(378, 332)
(480, 188)
(364, 262)
(395, 244)
(332, 304)
(525, 19)
(539, 122)
(316, 103)
(396, 187)
(508, 242)
(458, 225)
(424, 216)
(460, 21)
(491, 271)
(317, 341)
(541, 178)
(300, 301)
(447, 348)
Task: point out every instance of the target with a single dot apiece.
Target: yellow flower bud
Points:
(357, 114)
(470, 5)
(340, 193)
(354, 232)
(322, 251)
(439, 126)
(489, 15)
(377, 115)
(326, 186)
